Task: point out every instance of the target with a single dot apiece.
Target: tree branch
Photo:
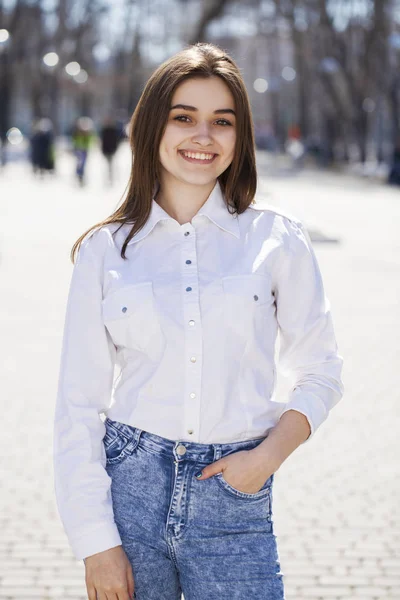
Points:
(212, 9)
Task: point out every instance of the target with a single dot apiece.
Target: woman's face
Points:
(199, 140)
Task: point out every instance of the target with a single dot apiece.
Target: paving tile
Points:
(335, 500)
(372, 592)
(21, 592)
(325, 592)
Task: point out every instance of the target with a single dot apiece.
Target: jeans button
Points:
(181, 450)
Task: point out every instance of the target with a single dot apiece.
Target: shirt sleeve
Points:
(308, 352)
(82, 485)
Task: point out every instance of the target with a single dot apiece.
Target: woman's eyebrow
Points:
(193, 108)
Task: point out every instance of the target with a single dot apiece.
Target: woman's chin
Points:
(197, 179)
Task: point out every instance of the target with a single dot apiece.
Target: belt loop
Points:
(136, 435)
(217, 452)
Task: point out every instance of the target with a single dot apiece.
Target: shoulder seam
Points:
(276, 210)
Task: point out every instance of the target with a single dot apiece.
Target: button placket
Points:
(193, 335)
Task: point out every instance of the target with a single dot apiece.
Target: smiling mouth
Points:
(203, 158)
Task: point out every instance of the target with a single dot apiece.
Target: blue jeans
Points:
(204, 539)
(81, 156)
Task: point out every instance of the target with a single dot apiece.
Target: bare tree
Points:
(8, 20)
(351, 64)
(212, 9)
(346, 85)
(128, 64)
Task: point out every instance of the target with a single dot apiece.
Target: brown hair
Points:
(238, 182)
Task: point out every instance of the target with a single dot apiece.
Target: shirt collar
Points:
(214, 209)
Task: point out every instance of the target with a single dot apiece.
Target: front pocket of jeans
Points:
(265, 490)
(117, 446)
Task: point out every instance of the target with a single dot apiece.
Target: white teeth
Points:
(200, 156)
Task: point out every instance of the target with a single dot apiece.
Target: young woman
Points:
(184, 289)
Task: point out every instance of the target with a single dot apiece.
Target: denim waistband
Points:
(194, 451)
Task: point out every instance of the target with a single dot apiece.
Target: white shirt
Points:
(190, 320)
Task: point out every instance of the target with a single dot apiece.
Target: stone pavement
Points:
(336, 500)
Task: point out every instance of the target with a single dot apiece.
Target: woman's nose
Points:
(202, 133)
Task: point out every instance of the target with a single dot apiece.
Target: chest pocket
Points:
(252, 290)
(247, 299)
(131, 318)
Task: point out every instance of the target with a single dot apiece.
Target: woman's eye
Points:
(179, 117)
(225, 122)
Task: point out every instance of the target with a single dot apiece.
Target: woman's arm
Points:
(82, 485)
(308, 356)
(248, 470)
(289, 433)
(308, 350)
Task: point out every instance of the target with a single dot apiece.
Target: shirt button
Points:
(193, 359)
(191, 323)
(187, 232)
(190, 431)
(188, 262)
(124, 309)
(193, 395)
(188, 289)
(255, 297)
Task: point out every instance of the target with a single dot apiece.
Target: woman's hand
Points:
(246, 471)
(109, 575)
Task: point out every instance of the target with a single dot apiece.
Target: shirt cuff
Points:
(95, 540)
(309, 405)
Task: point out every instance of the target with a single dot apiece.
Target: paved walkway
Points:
(336, 500)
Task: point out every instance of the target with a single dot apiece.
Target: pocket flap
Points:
(125, 302)
(254, 288)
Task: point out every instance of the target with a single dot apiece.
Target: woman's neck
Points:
(183, 201)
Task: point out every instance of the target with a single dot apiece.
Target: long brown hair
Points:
(238, 182)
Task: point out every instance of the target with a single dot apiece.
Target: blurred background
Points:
(323, 75)
(324, 82)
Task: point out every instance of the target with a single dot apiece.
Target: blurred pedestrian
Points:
(110, 136)
(294, 146)
(42, 147)
(3, 149)
(82, 138)
(394, 173)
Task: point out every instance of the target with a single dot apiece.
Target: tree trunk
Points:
(301, 77)
(394, 105)
(361, 131)
(211, 10)
(5, 102)
(330, 136)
